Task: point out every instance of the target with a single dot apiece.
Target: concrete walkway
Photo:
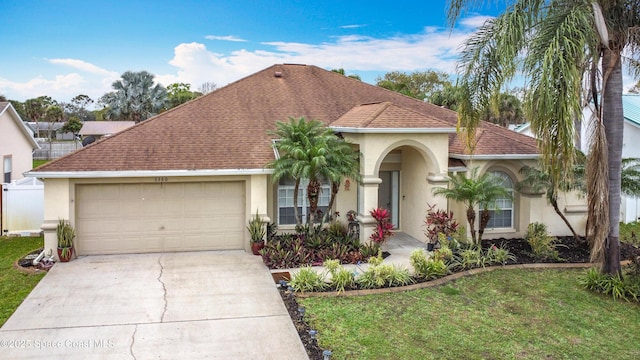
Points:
(194, 305)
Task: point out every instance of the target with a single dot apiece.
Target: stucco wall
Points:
(15, 143)
(528, 207)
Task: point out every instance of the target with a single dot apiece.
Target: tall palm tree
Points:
(304, 149)
(474, 191)
(559, 46)
(135, 98)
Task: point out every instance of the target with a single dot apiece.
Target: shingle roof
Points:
(386, 115)
(229, 128)
(492, 139)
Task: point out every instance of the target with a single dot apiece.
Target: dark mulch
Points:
(311, 345)
(569, 249)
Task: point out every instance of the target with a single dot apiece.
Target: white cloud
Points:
(434, 48)
(84, 66)
(475, 21)
(225, 38)
(354, 26)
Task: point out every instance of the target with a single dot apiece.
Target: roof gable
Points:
(387, 115)
(7, 109)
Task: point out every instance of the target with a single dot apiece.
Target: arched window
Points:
(502, 215)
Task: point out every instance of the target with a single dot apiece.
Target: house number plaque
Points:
(162, 179)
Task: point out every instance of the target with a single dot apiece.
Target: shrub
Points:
(618, 287)
(307, 279)
(369, 250)
(470, 258)
(542, 245)
(444, 253)
(499, 255)
(384, 226)
(337, 229)
(341, 278)
(427, 267)
(629, 232)
(439, 223)
(379, 275)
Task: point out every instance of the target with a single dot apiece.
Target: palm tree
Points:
(135, 98)
(538, 180)
(559, 46)
(344, 161)
(475, 191)
(509, 111)
(304, 149)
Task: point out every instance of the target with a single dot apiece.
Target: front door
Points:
(388, 194)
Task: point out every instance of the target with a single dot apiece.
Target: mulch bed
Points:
(569, 249)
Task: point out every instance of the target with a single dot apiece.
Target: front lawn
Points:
(14, 285)
(504, 314)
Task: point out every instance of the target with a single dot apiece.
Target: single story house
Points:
(191, 177)
(100, 129)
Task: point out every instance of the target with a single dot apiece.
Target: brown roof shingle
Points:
(229, 128)
(386, 115)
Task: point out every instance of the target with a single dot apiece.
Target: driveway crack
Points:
(133, 341)
(164, 289)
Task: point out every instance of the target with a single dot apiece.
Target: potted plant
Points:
(66, 234)
(257, 232)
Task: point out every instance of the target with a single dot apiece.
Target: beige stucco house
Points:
(191, 177)
(16, 144)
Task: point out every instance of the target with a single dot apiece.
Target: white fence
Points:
(22, 207)
(55, 150)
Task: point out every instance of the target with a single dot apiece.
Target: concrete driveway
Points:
(191, 305)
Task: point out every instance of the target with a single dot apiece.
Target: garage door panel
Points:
(150, 217)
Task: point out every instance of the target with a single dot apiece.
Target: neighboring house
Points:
(630, 205)
(191, 177)
(16, 144)
(100, 129)
(524, 129)
(41, 129)
(16, 153)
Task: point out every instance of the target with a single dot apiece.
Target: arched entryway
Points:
(405, 171)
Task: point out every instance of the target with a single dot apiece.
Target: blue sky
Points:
(70, 47)
(66, 48)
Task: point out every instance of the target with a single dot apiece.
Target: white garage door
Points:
(158, 217)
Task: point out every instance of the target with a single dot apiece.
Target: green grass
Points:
(14, 285)
(505, 314)
(630, 233)
(37, 163)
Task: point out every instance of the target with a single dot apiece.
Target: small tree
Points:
(474, 191)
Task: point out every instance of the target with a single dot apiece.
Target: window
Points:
(7, 169)
(286, 214)
(503, 216)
